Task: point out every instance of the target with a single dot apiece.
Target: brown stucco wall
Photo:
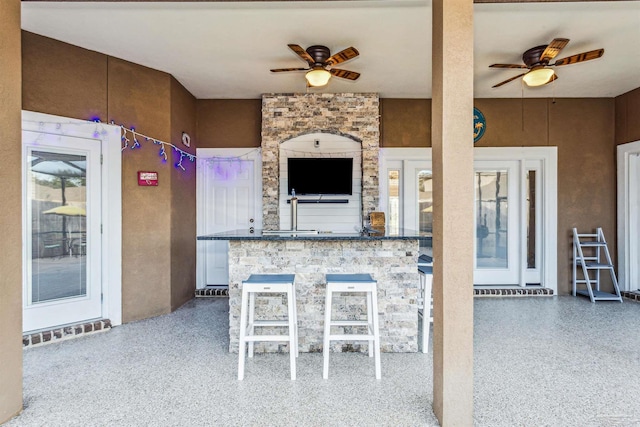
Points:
(627, 113)
(229, 123)
(583, 130)
(139, 97)
(514, 122)
(11, 213)
(70, 81)
(183, 199)
(63, 80)
(405, 122)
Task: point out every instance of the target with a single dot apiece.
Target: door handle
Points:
(251, 220)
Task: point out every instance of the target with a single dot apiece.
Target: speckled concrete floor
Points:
(538, 362)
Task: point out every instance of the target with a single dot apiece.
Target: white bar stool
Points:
(267, 283)
(352, 283)
(425, 303)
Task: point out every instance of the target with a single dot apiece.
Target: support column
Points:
(453, 237)
(10, 211)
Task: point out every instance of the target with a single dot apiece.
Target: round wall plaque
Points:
(479, 124)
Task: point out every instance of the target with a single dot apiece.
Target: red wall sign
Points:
(147, 178)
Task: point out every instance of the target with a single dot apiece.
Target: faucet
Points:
(294, 210)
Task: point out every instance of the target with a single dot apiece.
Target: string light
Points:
(135, 135)
(136, 143)
(162, 153)
(125, 140)
(234, 164)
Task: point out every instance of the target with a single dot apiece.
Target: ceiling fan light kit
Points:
(538, 77)
(537, 61)
(321, 63)
(318, 77)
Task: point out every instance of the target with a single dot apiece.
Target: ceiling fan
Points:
(321, 64)
(537, 61)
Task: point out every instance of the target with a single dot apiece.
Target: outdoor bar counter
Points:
(390, 258)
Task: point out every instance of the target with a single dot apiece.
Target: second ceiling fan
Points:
(321, 64)
(537, 59)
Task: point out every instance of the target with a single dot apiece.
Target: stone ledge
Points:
(525, 292)
(64, 333)
(205, 293)
(632, 296)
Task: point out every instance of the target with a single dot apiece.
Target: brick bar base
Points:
(525, 292)
(633, 296)
(64, 333)
(205, 293)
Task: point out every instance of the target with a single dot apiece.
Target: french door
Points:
(418, 206)
(62, 181)
(507, 212)
(497, 259)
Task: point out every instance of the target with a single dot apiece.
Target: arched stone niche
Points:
(286, 116)
(335, 217)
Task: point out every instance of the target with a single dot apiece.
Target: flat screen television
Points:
(320, 175)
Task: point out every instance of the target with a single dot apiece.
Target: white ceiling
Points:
(225, 49)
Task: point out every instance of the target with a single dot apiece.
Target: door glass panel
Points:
(425, 209)
(491, 219)
(531, 219)
(56, 191)
(393, 183)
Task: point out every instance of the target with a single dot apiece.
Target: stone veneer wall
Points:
(285, 116)
(391, 262)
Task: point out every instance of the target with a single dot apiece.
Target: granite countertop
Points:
(246, 234)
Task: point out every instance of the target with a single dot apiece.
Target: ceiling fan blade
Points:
(553, 49)
(278, 70)
(342, 56)
(580, 57)
(345, 74)
(552, 79)
(508, 66)
(301, 53)
(509, 80)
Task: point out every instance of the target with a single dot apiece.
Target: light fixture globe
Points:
(318, 77)
(538, 77)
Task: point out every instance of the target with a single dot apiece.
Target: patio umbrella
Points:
(66, 210)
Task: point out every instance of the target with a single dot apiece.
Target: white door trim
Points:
(111, 202)
(627, 270)
(252, 154)
(548, 158)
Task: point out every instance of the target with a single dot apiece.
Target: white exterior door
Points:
(229, 197)
(629, 216)
(634, 222)
(62, 250)
(497, 259)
